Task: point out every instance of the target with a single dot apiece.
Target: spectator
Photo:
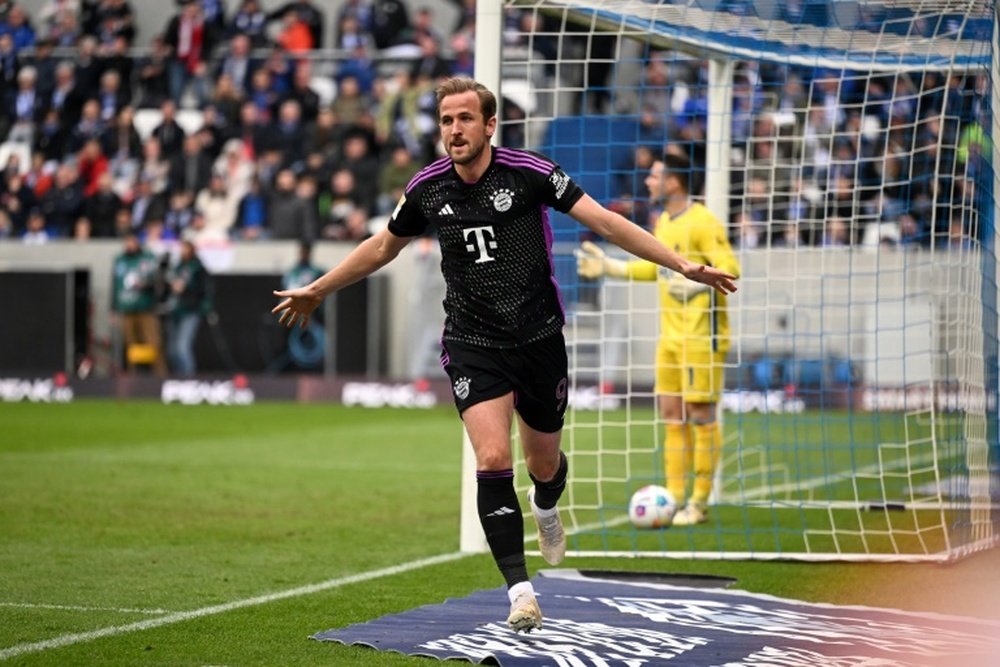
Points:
(357, 14)
(17, 199)
(19, 28)
(390, 23)
(23, 108)
(227, 100)
(155, 169)
(50, 13)
(179, 218)
(66, 31)
(323, 135)
(90, 126)
(154, 81)
(45, 68)
(288, 135)
(40, 174)
(263, 95)
(191, 169)
(36, 232)
(238, 64)
(253, 131)
(403, 118)
(112, 19)
(350, 105)
(279, 66)
(110, 95)
(295, 36)
(191, 41)
(88, 65)
(213, 133)
(352, 36)
(393, 178)
(215, 14)
(189, 302)
(358, 159)
(250, 20)
(133, 303)
(169, 133)
(91, 165)
(306, 12)
(462, 58)
(233, 166)
(289, 215)
(9, 65)
(430, 64)
(302, 93)
(120, 140)
(63, 203)
(100, 209)
(116, 58)
(339, 208)
(218, 208)
(147, 205)
(251, 219)
(304, 271)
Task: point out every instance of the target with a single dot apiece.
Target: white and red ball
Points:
(652, 506)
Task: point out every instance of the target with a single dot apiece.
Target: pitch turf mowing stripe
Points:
(179, 617)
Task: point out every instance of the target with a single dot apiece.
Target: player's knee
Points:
(493, 460)
(699, 414)
(542, 468)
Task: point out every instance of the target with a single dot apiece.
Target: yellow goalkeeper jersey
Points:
(702, 320)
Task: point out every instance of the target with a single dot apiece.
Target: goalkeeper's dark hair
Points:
(463, 84)
(679, 167)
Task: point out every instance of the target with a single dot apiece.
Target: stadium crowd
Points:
(257, 137)
(243, 145)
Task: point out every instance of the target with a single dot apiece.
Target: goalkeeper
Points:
(694, 332)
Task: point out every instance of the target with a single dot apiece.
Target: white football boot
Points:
(525, 614)
(551, 536)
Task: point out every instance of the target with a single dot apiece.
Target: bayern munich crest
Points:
(462, 388)
(503, 199)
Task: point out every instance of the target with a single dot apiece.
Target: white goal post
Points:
(851, 149)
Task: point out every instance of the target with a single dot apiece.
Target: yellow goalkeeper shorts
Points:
(694, 373)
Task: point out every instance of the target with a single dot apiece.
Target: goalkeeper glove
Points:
(592, 262)
(682, 289)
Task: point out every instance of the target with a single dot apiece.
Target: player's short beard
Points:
(470, 158)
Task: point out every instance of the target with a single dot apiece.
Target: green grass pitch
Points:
(113, 513)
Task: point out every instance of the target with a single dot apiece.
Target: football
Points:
(652, 506)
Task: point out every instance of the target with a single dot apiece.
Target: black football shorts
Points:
(536, 373)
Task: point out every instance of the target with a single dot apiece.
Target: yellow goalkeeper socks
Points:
(677, 460)
(707, 449)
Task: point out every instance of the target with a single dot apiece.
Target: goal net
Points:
(849, 149)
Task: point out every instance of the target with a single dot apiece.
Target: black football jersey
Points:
(496, 244)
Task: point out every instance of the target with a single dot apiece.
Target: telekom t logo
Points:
(482, 241)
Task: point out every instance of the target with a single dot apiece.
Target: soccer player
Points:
(694, 332)
(503, 347)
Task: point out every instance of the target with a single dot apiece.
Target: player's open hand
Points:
(297, 306)
(720, 281)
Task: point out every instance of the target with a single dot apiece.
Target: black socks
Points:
(547, 493)
(500, 515)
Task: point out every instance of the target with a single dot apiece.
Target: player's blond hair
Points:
(457, 85)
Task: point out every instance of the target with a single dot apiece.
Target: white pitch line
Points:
(180, 616)
(73, 607)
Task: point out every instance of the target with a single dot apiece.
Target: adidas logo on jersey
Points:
(446, 210)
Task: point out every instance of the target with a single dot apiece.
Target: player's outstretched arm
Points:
(297, 305)
(639, 242)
